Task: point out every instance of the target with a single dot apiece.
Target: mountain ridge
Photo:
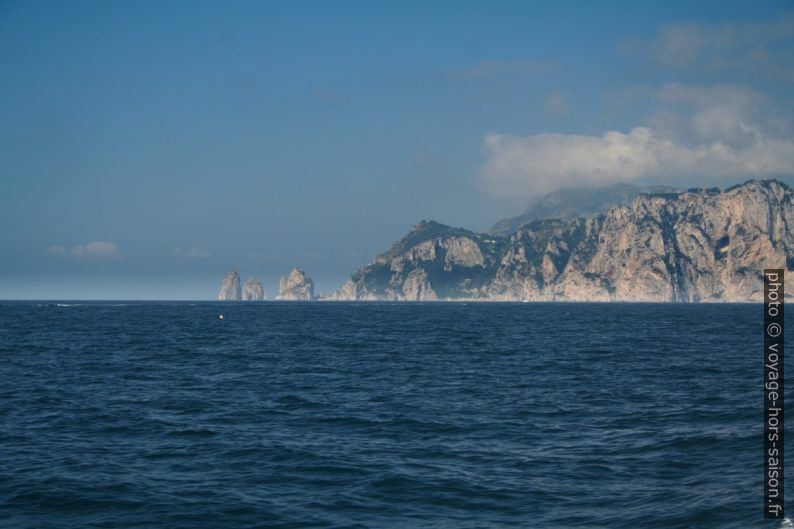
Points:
(576, 202)
(688, 246)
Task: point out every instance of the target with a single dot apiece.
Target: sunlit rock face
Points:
(417, 287)
(431, 262)
(253, 291)
(698, 245)
(701, 245)
(230, 288)
(296, 287)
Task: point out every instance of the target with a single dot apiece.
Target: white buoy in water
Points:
(220, 317)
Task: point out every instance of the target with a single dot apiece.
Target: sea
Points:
(381, 415)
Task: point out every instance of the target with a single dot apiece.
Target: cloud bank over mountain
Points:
(721, 132)
(730, 120)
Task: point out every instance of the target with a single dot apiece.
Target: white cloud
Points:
(194, 252)
(717, 132)
(97, 249)
(732, 114)
(94, 249)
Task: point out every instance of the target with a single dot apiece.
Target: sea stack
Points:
(253, 291)
(230, 288)
(296, 287)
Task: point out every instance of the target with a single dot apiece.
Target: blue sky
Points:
(146, 148)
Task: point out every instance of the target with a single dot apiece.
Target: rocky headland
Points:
(681, 246)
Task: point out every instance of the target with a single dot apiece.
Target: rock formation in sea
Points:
(296, 287)
(253, 291)
(695, 245)
(230, 288)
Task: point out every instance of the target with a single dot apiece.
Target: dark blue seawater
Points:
(336, 415)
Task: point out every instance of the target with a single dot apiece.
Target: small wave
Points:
(193, 432)
(786, 524)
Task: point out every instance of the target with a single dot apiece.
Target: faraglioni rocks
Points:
(230, 288)
(684, 246)
(296, 287)
(253, 291)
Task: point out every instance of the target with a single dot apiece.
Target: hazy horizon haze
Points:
(148, 148)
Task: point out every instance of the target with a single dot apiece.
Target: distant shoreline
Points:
(384, 301)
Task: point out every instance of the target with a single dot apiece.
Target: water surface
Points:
(331, 415)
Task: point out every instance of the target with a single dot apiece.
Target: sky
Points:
(147, 148)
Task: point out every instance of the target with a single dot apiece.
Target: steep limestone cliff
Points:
(698, 245)
(230, 288)
(253, 291)
(432, 261)
(296, 287)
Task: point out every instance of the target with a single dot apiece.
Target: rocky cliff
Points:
(698, 245)
(296, 287)
(253, 291)
(230, 288)
(432, 262)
